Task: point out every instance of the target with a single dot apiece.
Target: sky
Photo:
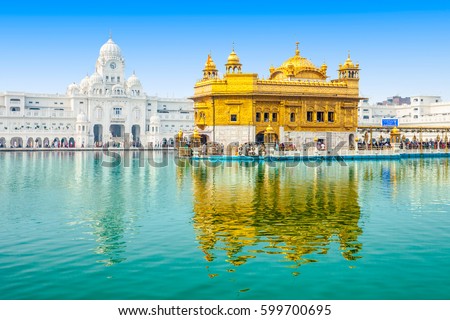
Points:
(403, 47)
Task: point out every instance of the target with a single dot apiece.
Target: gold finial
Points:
(349, 54)
(297, 52)
(110, 34)
(233, 45)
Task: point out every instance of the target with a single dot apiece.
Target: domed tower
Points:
(233, 65)
(111, 65)
(298, 67)
(210, 70)
(349, 70)
(349, 73)
(134, 87)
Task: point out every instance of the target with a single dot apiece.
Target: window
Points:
(258, 117)
(292, 117)
(117, 112)
(366, 110)
(274, 117)
(365, 117)
(112, 79)
(415, 109)
(309, 116)
(416, 116)
(330, 116)
(107, 78)
(233, 117)
(118, 79)
(266, 117)
(320, 116)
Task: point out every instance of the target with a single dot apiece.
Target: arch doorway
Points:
(260, 137)
(16, 142)
(117, 130)
(98, 134)
(2, 142)
(351, 141)
(136, 133)
(30, 142)
(46, 143)
(38, 143)
(71, 142)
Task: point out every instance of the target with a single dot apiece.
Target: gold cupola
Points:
(298, 67)
(233, 64)
(210, 70)
(349, 70)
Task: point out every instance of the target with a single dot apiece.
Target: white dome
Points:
(73, 88)
(155, 120)
(133, 81)
(110, 50)
(95, 79)
(84, 84)
(82, 117)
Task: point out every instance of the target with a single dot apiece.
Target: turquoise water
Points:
(72, 228)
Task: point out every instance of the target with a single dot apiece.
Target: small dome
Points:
(133, 81)
(84, 84)
(395, 131)
(82, 117)
(269, 129)
(95, 79)
(210, 65)
(233, 58)
(348, 63)
(155, 120)
(73, 88)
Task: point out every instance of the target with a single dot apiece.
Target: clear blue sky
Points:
(403, 47)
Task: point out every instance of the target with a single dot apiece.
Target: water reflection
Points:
(296, 212)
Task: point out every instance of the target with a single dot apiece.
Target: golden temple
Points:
(297, 101)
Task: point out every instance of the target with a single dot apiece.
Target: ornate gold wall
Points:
(297, 96)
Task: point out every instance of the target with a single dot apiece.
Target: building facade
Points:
(105, 108)
(297, 101)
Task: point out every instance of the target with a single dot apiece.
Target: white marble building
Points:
(103, 108)
(424, 112)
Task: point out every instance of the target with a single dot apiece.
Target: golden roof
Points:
(395, 131)
(196, 135)
(233, 58)
(180, 134)
(298, 62)
(210, 65)
(348, 62)
(298, 66)
(269, 129)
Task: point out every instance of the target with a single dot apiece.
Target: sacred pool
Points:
(85, 225)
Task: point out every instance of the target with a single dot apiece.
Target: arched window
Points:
(292, 117)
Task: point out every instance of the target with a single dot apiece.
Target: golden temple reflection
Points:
(297, 212)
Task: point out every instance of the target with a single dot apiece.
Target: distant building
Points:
(297, 102)
(421, 111)
(395, 100)
(103, 108)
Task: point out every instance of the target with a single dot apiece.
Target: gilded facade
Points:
(297, 100)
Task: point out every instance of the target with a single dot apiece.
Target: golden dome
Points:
(395, 131)
(233, 58)
(299, 62)
(180, 134)
(348, 62)
(196, 135)
(269, 129)
(210, 65)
